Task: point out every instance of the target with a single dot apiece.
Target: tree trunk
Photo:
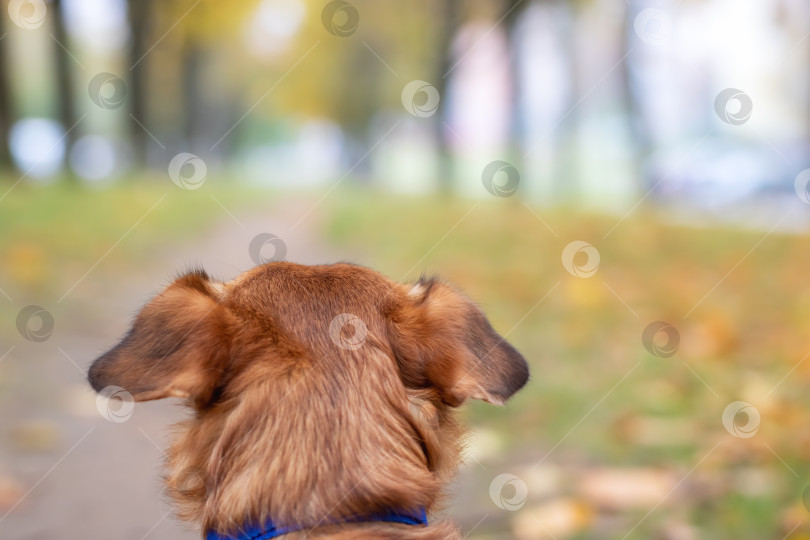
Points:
(139, 26)
(567, 170)
(451, 21)
(194, 111)
(513, 9)
(7, 116)
(64, 82)
(638, 127)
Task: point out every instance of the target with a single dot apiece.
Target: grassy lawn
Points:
(597, 396)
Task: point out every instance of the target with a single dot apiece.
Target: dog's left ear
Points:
(442, 339)
(178, 345)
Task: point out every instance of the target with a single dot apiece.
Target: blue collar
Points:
(270, 530)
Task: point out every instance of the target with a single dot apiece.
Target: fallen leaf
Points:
(626, 488)
(556, 519)
(35, 435)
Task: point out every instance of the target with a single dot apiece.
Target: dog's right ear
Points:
(178, 345)
(441, 339)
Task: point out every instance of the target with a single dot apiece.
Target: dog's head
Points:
(335, 368)
(198, 335)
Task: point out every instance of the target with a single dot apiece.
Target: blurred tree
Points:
(567, 170)
(7, 116)
(641, 144)
(185, 74)
(450, 17)
(194, 111)
(64, 80)
(361, 73)
(512, 12)
(140, 29)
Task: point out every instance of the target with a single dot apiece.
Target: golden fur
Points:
(300, 420)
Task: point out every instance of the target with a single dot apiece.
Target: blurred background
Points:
(622, 185)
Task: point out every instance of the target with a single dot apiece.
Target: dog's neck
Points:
(311, 456)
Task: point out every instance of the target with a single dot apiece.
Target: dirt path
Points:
(67, 473)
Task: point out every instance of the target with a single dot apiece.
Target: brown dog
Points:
(323, 397)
